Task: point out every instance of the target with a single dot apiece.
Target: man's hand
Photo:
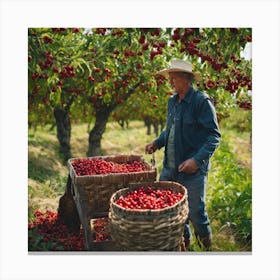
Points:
(189, 166)
(151, 148)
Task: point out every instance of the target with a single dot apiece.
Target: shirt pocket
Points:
(188, 117)
(189, 122)
(189, 131)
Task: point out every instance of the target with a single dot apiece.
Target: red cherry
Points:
(145, 46)
(142, 39)
(90, 78)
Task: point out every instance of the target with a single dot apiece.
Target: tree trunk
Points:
(121, 123)
(162, 124)
(63, 130)
(102, 115)
(148, 125)
(156, 128)
(95, 135)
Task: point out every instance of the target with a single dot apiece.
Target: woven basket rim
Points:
(107, 156)
(149, 211)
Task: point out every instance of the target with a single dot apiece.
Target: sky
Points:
(247, 53)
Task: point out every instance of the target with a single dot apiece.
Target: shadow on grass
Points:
(40, 168)
(40, 142)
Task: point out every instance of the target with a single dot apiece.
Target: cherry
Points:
(142, 39)
(54, 232)
(145, 46)
(97, 166)
(148, 198)
(90, 78)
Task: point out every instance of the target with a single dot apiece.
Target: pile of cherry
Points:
(48, 233)
(96, 166)
(147, 197)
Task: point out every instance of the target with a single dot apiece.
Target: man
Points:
(190, 139)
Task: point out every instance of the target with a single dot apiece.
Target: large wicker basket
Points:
(92, 193)
(97, 189)
(149, 230)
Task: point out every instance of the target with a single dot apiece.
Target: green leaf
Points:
(107, 98)
(56, 96)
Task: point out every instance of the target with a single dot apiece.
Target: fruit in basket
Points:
(100, 230)
(97, 166)
(148, 198)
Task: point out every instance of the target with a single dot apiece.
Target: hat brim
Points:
(165, 72)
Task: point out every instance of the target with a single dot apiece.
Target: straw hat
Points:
(178, 65)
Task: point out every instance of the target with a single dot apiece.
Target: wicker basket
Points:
(149, 230)
(92, 193)
(96, 190)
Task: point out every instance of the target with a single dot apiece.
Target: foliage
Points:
(96, 67)
(230, 192)
(240, 120)
(145, 104)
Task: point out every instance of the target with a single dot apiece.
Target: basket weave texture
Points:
(149, 230)
(96, 190)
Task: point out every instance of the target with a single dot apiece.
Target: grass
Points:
(116, 140)
(229, 196)
(47, 175)
(230, 174)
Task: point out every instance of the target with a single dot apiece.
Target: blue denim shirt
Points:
(197, 133)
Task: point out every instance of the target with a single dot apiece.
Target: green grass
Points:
(229, 194)
(229, 184)
(229, 197)
(46, 173)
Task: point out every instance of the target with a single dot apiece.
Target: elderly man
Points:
(190, 139)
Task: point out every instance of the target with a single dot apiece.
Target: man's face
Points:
(178, 82)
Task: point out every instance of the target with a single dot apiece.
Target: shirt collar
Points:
(188, 96)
